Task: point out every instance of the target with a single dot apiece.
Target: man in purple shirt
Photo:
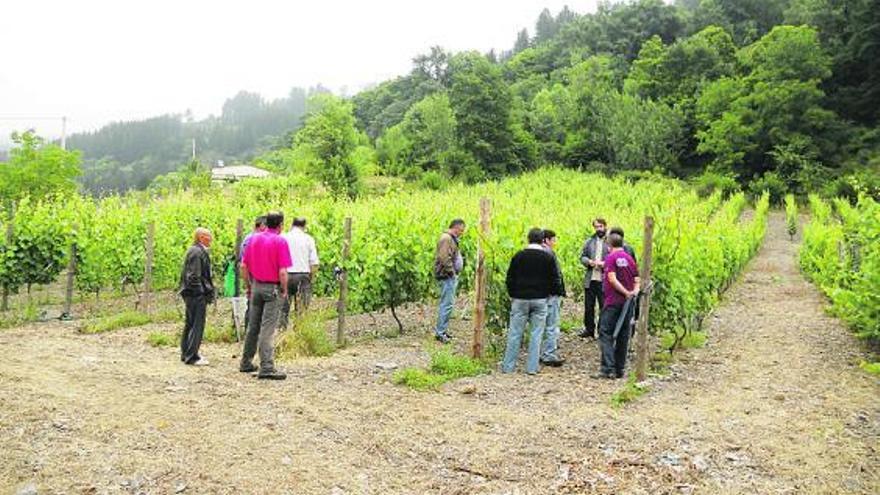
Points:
(620, 284)
(265, 265)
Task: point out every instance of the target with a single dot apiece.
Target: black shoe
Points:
(619, 374)
(554, 363)
(602, 376)
(248, 369)
(272, 375)
(443, 339)
(584, 334)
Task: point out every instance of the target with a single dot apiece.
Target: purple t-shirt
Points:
(626, 270)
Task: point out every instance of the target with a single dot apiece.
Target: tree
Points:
(522, 41)
(481, 103)
(330, 135)
(545, 27)
(36, 169)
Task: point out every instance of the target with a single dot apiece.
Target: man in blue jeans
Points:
(533, 275)
(550, 346)
(448, 263)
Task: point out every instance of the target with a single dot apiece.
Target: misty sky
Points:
(99, 61)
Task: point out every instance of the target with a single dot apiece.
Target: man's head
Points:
(599, 226)
(616, 230)
(260, 223)
(615, 240)
(549, 238)
(536, 236)
(456, 227)
(203, 236)
(299, 222)
(274, 220)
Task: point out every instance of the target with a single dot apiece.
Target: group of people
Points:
(536, 288)
(278, 270)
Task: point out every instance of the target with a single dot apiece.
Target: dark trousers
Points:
(613, 349)
(299, 295)
(593, 295)
(264, 306)
(193, 329)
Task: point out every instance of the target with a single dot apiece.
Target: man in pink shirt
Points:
(265, 264)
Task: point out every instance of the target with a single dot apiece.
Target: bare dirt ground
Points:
(775, 403)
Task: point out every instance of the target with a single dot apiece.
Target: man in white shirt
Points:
(301, 274)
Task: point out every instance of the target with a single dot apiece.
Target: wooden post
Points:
(10, 232)
(343, 283)
(148, 267)
(642, 354)
(239, 230)
(71, 273)
(481, 283)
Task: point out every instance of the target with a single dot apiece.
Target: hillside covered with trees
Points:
(774, 94)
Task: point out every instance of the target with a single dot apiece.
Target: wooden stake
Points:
(239, 230)
(71, 273)
(343, 284)
(148, 267)
(10, 232)
(482, 280)
(642, 353)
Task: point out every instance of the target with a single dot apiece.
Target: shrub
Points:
(708, 182)
(307, 337)
(773, 184)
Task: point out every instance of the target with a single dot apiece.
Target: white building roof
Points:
(237, 172)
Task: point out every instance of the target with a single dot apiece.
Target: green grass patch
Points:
(569, 326)
(630, 392)
(219, 334)
(692, 340)
(872, 368)
(168, 315)
(121, 320)
(445, 366)
(306, 337)
(161, 339)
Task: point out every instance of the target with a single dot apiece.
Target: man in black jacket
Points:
(533, 276)
(197, 289)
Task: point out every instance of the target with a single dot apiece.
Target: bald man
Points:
(197, 289)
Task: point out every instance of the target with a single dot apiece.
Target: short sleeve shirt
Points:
(626, 270)
(266, 255)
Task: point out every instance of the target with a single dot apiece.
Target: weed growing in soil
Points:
(872, 368)
(693, 340)
(445, 366)
(628, 393)
(219, 334)
(122, 320)
(307, 337)
(161, 339)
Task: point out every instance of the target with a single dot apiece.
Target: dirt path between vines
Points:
(775, 403)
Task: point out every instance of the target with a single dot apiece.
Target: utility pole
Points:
(194, 149)
(64, 133)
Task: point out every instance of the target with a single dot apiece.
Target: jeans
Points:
(613, 349)
(551, 330)
(447, 301)
(193, 329)
(299, 295)
(593, 295)
(265, 304)
(523, 312)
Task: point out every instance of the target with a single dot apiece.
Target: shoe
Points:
(619, 374)
(248, 369)
(200, 362)
(554, 362)
(602, 376)
(443, 339)
(272, 375)
(587, 335)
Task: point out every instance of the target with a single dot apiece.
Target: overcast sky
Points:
(97, 61)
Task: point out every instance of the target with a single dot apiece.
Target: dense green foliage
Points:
(841, 254)
(700, 244)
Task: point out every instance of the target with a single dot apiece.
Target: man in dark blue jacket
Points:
(197, 289)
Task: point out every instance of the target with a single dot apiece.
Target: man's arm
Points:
(510, 281)
(314, 263)
(612, 279)
(193, 270)
(282, 278)
(556, 277)
(585, 256)
(445, 253)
